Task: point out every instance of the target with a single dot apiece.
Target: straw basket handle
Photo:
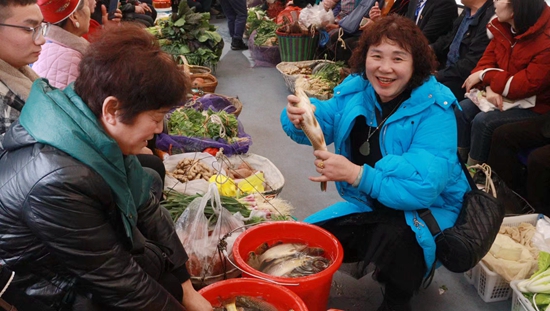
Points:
(185, 65)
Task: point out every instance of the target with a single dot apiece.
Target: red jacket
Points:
(524, 59)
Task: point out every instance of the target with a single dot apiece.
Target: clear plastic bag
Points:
(200, 239)
(317, 16)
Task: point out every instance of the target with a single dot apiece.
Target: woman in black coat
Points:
(80, 220)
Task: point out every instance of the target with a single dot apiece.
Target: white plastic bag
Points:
(541, 239)
(316, 15)
(478, 97)
(200, 239)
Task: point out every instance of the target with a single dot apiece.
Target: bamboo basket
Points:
(209, 85)
(192, 69)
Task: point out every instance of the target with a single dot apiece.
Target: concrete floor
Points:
(263, 94)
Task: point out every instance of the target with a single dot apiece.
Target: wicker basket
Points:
(235, 101)
(290, 79)
(208, 85)
(192, 69)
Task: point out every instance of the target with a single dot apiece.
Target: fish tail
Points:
(324, 186)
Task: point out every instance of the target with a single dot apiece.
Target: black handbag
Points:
(462, 246)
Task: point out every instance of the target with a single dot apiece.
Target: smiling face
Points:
(18, 48)
(388, 68)
(132, 138)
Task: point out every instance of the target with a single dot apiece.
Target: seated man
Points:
(22, 35)
(459, 51)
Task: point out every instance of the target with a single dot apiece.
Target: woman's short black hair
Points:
(404, 32)
(526, 13)
(126, 62)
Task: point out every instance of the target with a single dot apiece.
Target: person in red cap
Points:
(65, 45)
(22, 35)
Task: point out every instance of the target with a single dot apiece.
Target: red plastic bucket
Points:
(280, 297)
(313, 289)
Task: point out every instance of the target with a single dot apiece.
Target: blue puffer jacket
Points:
(419, 168)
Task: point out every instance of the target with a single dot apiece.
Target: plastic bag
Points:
(200, 242)
(264, 56)
(541, 238)
(292, 13)
(317, 16)
(478, 98)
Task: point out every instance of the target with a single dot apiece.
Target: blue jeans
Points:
(475, 129)
(235, 11)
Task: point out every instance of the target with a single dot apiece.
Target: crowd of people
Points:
(80, 222)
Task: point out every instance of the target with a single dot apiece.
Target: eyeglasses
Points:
(41, 29)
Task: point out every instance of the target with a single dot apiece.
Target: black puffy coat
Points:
(61, 232)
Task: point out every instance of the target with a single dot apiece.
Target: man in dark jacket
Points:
(459, 51)
(434, 17)
(80, 222)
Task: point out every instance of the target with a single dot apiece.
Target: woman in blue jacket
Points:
(394, 135)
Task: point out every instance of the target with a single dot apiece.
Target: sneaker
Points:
(238, 44)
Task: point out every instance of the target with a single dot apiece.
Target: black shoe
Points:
(395, 307)
(238, 44)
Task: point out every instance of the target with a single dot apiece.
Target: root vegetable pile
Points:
(191, 169)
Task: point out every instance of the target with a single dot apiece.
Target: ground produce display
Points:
(190, 34)
(191, 169)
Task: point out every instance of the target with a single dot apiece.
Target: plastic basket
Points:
(471, 275)
(297, 47)
(519, 302)
(491, 286)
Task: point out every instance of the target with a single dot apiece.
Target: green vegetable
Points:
(206, 124)
(190, 34)
(537, 287)
(330, 73)
(176, 203)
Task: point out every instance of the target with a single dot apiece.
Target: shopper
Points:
(61, 54)
(515, 66)
(22, 36)
(531, 137)
(394, 134)
(236, 13)
(80, 224)
(459, 51)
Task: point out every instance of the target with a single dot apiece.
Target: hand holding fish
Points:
(294, 112)
(334, 167)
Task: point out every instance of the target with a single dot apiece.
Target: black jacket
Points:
(61, 232)
(436, 18)
(473, 45)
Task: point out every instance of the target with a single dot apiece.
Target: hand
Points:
(109, 23)
(334, 167)
(294, 114)
(472, 80)
(328, 4)
(138, 9)
(375, 12)
(331, 27)
(192, 300)
(494, 98)
(145, 7)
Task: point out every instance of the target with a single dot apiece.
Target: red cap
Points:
(55, 11)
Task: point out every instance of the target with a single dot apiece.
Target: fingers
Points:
(103, 10)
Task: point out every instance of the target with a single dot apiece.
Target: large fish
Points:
(309, 124)
(296, 266)
(258, 262)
